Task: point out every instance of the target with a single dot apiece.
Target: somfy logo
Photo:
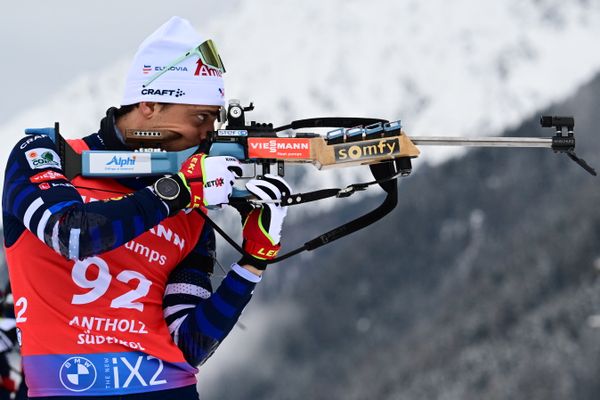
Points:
(370, 149)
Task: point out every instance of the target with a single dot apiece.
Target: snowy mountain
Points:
(456, 68)
(445, 68)
(482, 284)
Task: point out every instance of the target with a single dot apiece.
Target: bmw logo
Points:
(77, 374)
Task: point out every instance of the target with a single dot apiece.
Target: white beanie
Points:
(189, 82)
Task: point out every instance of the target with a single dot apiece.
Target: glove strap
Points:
(260, 253)
(194, 199)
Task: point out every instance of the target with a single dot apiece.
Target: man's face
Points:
(190, 123)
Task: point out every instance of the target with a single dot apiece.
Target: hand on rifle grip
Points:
(209, 179)
(262, 225)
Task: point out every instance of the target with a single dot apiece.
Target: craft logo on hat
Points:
(187, 82)
(163, 92)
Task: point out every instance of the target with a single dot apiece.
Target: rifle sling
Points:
(389, 203)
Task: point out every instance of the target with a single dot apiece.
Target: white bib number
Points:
(100, 284)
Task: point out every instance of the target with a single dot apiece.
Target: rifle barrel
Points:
(482, 141)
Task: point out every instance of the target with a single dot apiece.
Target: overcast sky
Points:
(45, 44)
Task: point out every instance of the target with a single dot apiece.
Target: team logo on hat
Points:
(206, 70)
(77, 374)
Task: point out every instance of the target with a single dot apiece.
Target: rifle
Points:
(378, 143)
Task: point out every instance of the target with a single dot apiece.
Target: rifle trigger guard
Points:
(350, 190)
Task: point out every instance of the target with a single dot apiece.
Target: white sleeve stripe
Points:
(5, 342)
(166, 206)
(33, 207)
(174, 327)
(187, 288)
(74, 244)
(244, 273)
(173, 309)
(42, 224)
(55, 244)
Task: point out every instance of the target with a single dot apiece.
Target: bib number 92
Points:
(100, 284)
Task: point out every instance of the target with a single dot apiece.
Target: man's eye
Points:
(206, 117)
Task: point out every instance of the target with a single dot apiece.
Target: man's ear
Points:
(148, 108)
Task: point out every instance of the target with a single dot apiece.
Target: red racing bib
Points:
(95, 326)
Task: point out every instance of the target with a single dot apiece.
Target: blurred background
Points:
(483, 283)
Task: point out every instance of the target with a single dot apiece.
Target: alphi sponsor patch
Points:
(120, 163)
(42, 158)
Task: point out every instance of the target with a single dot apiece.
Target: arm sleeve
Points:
(199, 319)
(38, 196)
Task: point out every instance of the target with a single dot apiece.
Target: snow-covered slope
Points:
(460, 67)
(464, 67)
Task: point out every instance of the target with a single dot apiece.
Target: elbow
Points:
(197, 356)
(196, 346)
(74, 237)
(73, 245)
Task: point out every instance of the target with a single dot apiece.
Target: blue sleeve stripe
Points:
(206, 244)
(226, 309)
(59, 206)
(237, 286)
(193, 349)
(118, 231)
(96, 240)
(138, 225)
(14, 167)
(20, 197)
(206, 327)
